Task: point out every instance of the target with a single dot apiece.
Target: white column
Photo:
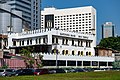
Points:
(98, 63)
(66, 63)
(90, 63)
(76, 63)
(107, 64)
(82, 63)
(49, 38)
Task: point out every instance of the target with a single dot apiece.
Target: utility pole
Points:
(56, 53)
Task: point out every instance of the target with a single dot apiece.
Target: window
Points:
(89, 44)
(20, 43)
(87, 54)
(78, 52)
(44, 40)
(63, 41)
(30, 41)
(66, 52)
(39, 40)
(66, 41)
(81, 52)
(86, 43)
(80, 43)
(63, 52)
(52, 40)
(73, 53)
(36, 40)
(27, 42)
(23, 42)
(72, 42)
(56, 40)
(14, 43)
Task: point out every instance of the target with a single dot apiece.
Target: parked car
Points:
(41, 71)
(2, 72)
(20, 72)
(80, 70)
(52, 71)
(10, 72)
(89, 69)
(57, 70)
(68, 70)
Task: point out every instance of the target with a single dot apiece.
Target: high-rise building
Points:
(30, 11)
(10, 20)
(108, 30)
(80, 19)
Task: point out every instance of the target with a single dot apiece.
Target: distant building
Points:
(10, 20)
(30, 11)
(108, 30)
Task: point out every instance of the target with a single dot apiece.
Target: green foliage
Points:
(4, 67)
(29, 59)
(116, 64)
(111, 42)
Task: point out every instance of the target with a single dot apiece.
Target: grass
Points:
(107, 75)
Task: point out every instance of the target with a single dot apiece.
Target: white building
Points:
(67, 38)
(73, 48)
(80, 19)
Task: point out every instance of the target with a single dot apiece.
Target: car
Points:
(80, 70)
(68, 70)
(41, 71)
(59, 70)
(89, 69)
(52, 71)
(2, 72)
(20, 72)
(10, 72)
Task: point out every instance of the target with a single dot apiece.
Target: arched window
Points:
(73, 53)
(66, 52)
(52, 51)
(87, 54)
(78, 52)
(63, 52)
(81, 52)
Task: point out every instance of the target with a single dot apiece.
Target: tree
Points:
(116, 64)
(26, 55)
(29, 59)
(111, 42)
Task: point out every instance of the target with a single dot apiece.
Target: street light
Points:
(56, 52)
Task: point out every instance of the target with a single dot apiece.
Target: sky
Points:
(107, 11)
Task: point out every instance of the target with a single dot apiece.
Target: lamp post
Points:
(56, 52)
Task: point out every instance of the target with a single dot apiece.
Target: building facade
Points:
(10, 20)
(60, 48)
(30, 11)
(80, 19)
(108, 30)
